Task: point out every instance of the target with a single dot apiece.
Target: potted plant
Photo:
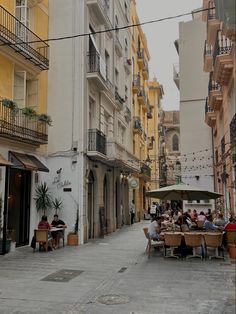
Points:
(57, 204)
(10, 104)
(8, 241)
(43, 199)
(232, 249)
(45, 118)
(29, 112)
(72, 237)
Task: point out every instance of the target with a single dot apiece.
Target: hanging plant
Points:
(45, 118)
(29, 112)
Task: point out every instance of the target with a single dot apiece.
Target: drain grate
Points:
(113, 299)
(123, 269)
(63, 275)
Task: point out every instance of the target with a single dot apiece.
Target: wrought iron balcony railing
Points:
(213, 86)
(119, 100)
(136, 81)
(96, 141)
(140, 53)
(222, 45)
(20, 38)
(137, 124)
(14, 124)
(232, 128)
(207, 107)
(207, 49)
(211, 10)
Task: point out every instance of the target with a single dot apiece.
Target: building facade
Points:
(195, 137)
(24, 61)
(140, 106)
(220, 110)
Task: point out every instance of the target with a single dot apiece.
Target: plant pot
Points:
(72, 239)
(232, 250)
(8, 245)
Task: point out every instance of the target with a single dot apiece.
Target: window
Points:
(117, 79)
(107, 61)
(22, 14)
(126, 48)
(175, 143)
(92, 113)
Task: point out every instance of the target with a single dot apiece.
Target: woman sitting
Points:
(43, 224)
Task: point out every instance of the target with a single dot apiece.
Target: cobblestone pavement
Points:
(113, 275)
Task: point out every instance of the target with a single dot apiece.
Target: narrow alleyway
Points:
(113, 275)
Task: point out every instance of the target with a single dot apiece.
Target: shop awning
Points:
(4, 162)
(28, 162)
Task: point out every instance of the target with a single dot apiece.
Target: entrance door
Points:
(18, 220)
(105, 202)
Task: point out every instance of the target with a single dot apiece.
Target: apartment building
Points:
(195, 137)
(90, 99)
(24, 61)
(155, 94)
(140, 102)
(220, 107)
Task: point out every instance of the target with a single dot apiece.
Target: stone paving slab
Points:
(151, 286)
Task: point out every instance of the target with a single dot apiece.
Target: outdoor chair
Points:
(62, 237)
(194, 241)
(172, 241)
(41, 237)
(184, 228)
(152, 243)
(214, 240)
(200, 224)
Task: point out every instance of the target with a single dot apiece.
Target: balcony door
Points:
(22, 14)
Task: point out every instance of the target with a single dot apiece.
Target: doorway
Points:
(105, 202)
(91, 205)
(18, 217)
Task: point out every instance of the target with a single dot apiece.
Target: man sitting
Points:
(209, 225)
(56, 235)
(154, 229)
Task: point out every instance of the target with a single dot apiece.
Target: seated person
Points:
(209, 225)
(194, 215)
(154, 229)
(220, 221)
(231, 225)
(43, 224)
(201, 216)
(57, 223)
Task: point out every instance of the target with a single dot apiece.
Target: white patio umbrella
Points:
(182, 192)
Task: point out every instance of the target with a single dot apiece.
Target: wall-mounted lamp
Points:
(59, 171)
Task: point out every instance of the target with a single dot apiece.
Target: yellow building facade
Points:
(140, 107)
(24, 61)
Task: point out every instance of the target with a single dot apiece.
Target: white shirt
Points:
(132, 208)
(152, 228)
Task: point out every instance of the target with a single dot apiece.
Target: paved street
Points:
(114, 270)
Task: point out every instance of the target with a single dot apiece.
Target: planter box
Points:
(8, 246)
(232, 250)
(72, 239)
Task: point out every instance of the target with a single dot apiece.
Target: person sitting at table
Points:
(56, 235)
(209, 225)
(201, 216)
(220, 221)
(231, 225)
(43, 224)
(154, 229)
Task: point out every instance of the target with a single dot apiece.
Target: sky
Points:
(161, 37)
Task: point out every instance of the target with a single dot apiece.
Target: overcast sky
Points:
(161, 37)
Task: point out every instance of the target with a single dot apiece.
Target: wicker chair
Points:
(41, 236)
(193, 240)
(214, 240)
(172, 240)
(152, 243)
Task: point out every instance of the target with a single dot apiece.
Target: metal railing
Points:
(136, 80)
(146, 170)
(20, 38)
(222, 45)
(93, 59)
(16, 125)
(211, 10)
(96, 141)
(213, 86)
(207, 107)
(119, 100)
(141, 92)
(207, 49)
(137, 123)
(140, 53)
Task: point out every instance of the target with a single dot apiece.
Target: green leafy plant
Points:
(57, 204)
(76, 227)
(45, 118)
(29, 112)
(43, 199)
(11, 105)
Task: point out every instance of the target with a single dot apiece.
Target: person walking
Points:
(132, 211)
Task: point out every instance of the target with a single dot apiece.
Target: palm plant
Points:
(43, 199)
(57, 204)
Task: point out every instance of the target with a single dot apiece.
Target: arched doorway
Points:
(91, 205)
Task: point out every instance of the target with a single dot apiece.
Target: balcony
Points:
(146, 172)
(208, 58)
(215, 95)
(232, 128)
(176, 74)
(213, 24)
(223, 59)
(210, 115)
(118, 46)
(120, 157)
(145, 70)
(149, 112)
(140, 54)
(119, 101)
(137, 126)
(18, 40)
(97, 71)
(100, 9)
(136, 83)
(141, 96)
(151, 140)
(15, 125)
(127, 65)
(96, 144)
